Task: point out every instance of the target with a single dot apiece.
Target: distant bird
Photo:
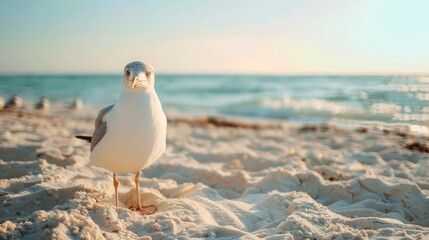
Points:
(43, 104)
(77, 104)
(1, 102)
(14, 102)
(130, 135)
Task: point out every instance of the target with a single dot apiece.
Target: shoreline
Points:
(287, 107)
(231, 121)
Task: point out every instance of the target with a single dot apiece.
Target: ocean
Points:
(309, 99)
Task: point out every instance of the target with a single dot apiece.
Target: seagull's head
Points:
(139, 77)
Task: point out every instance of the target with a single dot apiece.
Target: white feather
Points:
(136, 133)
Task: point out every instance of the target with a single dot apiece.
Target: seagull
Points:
(77, 104)
(43, 104)
(131, 134)
(14, 102)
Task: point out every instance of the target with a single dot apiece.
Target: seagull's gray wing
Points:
(100, 126)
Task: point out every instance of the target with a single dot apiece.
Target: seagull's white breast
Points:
(136, 134)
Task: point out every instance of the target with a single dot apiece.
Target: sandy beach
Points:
(274, 120)
(217, 180)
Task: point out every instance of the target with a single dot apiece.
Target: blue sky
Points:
(310, 37)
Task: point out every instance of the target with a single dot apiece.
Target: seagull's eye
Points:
(147, 74)
(127, 73)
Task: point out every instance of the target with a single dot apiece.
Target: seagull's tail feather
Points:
(86, 138)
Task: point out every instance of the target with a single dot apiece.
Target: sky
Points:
(224, 36)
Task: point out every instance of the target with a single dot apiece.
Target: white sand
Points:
(214, 182)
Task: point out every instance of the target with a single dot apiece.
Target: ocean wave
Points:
(289, 108)
(306, 105)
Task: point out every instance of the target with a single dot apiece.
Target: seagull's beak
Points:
(138, 80)
(135, 80)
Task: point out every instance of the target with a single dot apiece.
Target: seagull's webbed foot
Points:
(144, 210)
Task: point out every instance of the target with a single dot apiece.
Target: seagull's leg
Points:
(116, 184)
(137, 181)
(144, 210)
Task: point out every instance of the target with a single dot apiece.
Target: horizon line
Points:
(357, 73)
